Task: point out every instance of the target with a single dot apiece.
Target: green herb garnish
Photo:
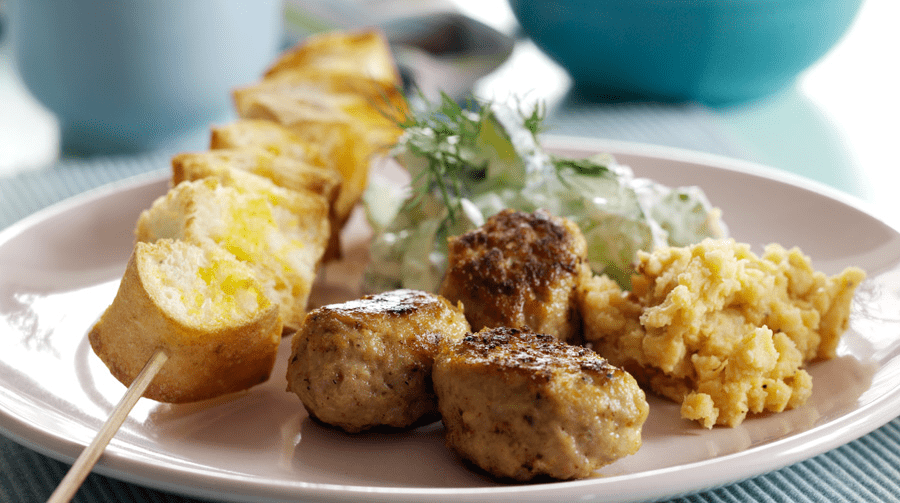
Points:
(468, 162)
(445, 139)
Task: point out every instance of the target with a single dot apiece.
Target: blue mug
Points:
(130, 75)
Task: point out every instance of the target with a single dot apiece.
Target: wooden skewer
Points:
(88, 458)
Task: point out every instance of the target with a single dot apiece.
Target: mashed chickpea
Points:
(718, 329)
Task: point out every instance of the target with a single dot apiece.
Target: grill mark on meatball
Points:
(541, 249)
(427, 343)
(519, 270)
(519, 350)
(394, 303)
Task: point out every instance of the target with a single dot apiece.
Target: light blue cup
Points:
(712, 51)
(129, 75)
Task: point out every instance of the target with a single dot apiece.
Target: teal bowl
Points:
(716, 52)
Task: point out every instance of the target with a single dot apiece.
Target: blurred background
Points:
(829, 115)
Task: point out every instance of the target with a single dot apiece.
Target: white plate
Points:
(60, 268)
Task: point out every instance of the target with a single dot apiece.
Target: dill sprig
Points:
(445, 137)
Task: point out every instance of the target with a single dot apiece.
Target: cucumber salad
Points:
(468, 163)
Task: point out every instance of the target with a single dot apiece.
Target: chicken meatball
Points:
(367, 363)
(521, 405)
(519, 270)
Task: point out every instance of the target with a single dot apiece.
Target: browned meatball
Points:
(519, 270)
(367, 362)
(521, 405)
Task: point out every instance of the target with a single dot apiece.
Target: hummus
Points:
(718, 329)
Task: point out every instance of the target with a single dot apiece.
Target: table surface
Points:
(836, 125)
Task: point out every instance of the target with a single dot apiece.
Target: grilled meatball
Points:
(519, 270)
(521, 405)
(367, 362)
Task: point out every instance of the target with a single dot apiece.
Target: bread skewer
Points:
(89, 456)
(227, 341)
(196, 307)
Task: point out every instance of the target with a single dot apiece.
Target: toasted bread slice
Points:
(201, 306)
(365, 53)
(338, 82)
(328, 141)
(301, 95)
(268, 135)
(281, 234)
(342, 139)
(282, 170)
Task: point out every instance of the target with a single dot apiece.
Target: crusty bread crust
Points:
(205, 360)
(283, 171)
(310, 94)
(365, 53)
(265, 134)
